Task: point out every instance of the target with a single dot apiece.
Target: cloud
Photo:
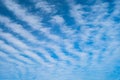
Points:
(89, 46)
(16, 42)
(58, 19)
(33, 21)
(44, 6)
(17, 29)
(12, 50)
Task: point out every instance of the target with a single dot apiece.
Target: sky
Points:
(59, 39)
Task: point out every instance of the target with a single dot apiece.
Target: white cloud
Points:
(9, 59)
(10, 38)
(32, 20)
(67, 30)
(77, 12)
(94, 27)
(17, 28)
(13, 52)
(22, 46)
(58, 19)
(35, 22)
(44, 6)
(96, 24)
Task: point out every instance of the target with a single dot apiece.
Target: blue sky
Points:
(59, 39)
